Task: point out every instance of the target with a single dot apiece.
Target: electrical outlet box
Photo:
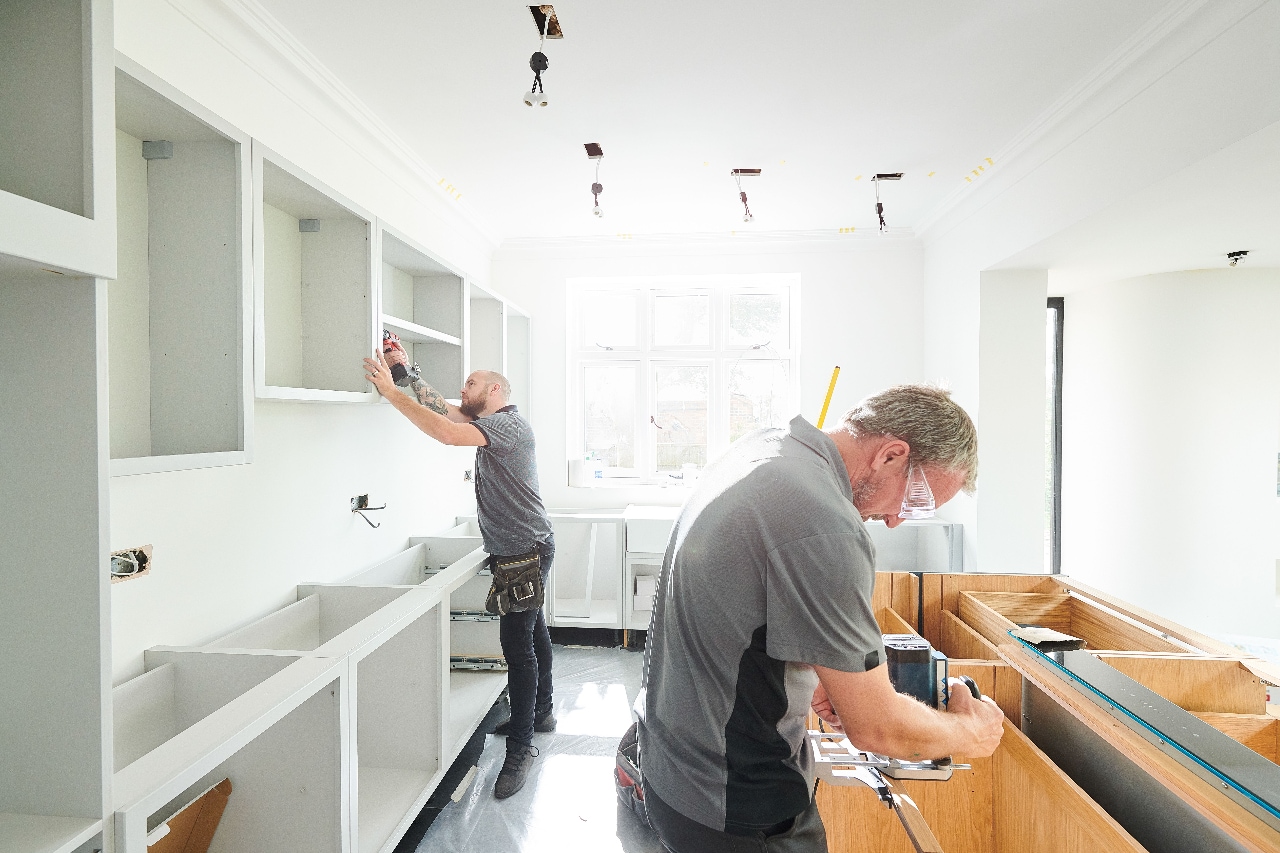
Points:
(466, 475)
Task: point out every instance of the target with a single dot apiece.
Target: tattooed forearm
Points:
(429, 397)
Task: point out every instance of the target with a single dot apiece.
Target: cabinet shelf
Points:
(20, 833)
(421, 301)
(415, 334)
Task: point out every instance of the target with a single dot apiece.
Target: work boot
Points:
(514, 770)
(541, 725)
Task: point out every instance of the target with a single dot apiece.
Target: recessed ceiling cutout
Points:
(551, 27)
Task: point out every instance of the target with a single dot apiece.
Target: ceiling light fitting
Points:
(595, 152)
(1234, 258)
(738, 175)
(883, 176)
(544, 17)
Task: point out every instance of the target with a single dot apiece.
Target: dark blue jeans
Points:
(526, 644)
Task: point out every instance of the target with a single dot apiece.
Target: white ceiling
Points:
(1190, 220)
(678, 93)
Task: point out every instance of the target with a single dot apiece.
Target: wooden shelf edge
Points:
(177, 462)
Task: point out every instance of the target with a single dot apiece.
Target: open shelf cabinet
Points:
(272, 724)
(315, 306)
(180, 309)
(55, 747)
(422, 304)
(57, 175)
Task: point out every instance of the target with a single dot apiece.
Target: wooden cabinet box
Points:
(1068, 776)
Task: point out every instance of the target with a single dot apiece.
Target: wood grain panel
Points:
(961, 641)
(1008, 694)
(1037, 806)
(931, 608)
(1159, 623)
(982, 619)
(882, 592)
(949, 587)
(1259, 732)
(1196, 684)
(958, 811)
(891, 622)
(1103, 630)
(1030, 608)
(906, 596)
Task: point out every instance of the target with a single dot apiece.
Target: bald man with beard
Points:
(513, 523)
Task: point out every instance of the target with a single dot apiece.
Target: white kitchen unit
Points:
(313, 266)
(57, 169)
(422, 303)
(926, 545)
(586, 577)
(648, 529)
(181, 308)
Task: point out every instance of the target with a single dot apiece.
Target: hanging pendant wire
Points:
(538, 62)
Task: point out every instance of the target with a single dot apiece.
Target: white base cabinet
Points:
(334, 717)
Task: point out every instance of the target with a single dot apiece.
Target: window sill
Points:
(633, 483)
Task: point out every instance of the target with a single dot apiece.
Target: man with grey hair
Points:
(513, 524)
(763, 611)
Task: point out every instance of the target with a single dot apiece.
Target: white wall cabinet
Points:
(315, 304)
(422, 302)
(180, 309)
(57, 177)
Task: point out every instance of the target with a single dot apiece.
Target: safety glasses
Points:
(918, 501)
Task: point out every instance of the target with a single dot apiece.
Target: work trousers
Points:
(526, 644)
(680, 834)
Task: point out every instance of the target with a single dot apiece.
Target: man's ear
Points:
(892, 451)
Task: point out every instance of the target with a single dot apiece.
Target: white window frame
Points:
(720, 354)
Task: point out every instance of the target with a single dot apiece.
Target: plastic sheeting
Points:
(568, 804)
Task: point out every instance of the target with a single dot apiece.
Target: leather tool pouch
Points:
(517, 584)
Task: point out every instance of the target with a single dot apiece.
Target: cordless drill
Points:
(401, 371)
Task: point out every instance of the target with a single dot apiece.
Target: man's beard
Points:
(473, 408)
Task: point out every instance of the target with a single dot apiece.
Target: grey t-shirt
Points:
(508, 504)
(768, 569)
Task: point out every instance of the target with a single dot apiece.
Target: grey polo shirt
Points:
(769, 568)
(508, 504)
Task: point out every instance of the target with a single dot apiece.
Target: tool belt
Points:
(517, 584)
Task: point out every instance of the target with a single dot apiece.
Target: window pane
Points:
(610, 412)
(756, 319)
(757, 396)
(680, 419)
(609, 319)
(682, 321)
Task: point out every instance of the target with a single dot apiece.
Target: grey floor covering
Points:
(568, 804)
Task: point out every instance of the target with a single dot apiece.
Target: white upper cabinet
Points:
(57, 175)
(422, 304)
(179, 311)
(313, 266)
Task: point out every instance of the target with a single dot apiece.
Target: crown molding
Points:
(820, 239)
(321, 94)
(1181, 29)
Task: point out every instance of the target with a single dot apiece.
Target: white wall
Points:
(232, 543)
(860, 308)
(1011, 423)
(1167, 101)
(1171, 394)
